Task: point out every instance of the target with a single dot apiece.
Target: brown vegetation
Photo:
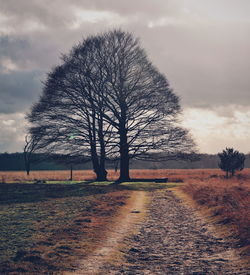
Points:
(227, 201)
(80, 175)
(49, 231)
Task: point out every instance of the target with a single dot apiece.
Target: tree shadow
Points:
(24, 192)
(156, 180)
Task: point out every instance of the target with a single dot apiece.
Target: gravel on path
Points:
(175, 240)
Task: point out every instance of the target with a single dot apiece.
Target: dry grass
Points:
(80, 175)
(47, 228)
(227, 200)
(20, 176)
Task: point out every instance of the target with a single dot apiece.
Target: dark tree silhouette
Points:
(30, 147)
(107, 101)
(141, 106)
(67, 121)
(230, 161)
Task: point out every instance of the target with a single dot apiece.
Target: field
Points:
(46, 227)
(80, 175)
(226, 203)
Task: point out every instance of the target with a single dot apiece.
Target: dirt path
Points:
(174, 240)
(130, 215)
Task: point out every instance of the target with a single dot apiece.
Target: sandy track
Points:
(129, 216)
(174, 240)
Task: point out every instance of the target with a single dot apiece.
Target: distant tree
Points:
(231, 160)
(31, 145)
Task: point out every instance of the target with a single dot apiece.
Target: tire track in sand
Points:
(123, 225)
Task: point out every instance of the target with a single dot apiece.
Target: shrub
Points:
(231, 160)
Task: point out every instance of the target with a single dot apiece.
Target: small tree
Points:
(230, 161)
(31, 145)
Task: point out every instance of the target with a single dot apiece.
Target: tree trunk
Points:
(124, 167)
(124, 155)
(102, 176)
(232, 173)
(71, 172)
(27, 164)
(102, 173)
(99, 168)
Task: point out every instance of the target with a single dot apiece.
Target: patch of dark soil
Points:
(64, 247)
(19, 255)
(45, 243)
(34, 259)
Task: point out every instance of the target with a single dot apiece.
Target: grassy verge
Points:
(148, 186)
(45, 228)
(229, 205)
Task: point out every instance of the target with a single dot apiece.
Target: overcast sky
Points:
(203, 48)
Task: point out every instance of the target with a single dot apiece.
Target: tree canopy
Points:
(108, 101)
(231, 160)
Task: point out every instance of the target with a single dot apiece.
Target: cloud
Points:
(18, 90)
(201, 46)
(93, 16)
(214, 131)
(205, 65)
(13, 128)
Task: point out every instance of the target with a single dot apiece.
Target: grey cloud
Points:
(13, 46)
(15, 49)
(49, 13)
(201, 46)
(18, 90)
(59, 11)
(13, 128)
(205, 66)
(29, 53)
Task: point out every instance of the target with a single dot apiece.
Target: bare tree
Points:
(140, 105)
(66, 117)
(107, 101)
(30, 147)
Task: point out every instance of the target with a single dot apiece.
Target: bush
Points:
(230, 161)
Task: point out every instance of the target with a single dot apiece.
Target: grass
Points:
(24, 193)
(227, 202)
(148, 186)
(86, 175)
(46, 227)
